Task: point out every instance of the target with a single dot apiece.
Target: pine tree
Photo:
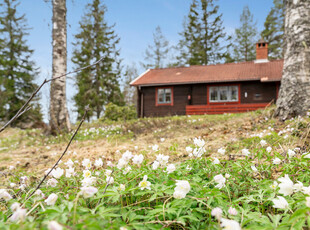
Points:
(99, 85)
(17, 71)
(203, 35)
(245, 37)
(156, 54)
(273, 31)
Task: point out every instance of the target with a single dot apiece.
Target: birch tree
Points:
(59, 118)
(294, 95)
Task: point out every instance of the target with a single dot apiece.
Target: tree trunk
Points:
(59, 118)
(294, 95)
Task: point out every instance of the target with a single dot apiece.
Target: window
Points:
(223, 93)
(164, 96)
(258, 97)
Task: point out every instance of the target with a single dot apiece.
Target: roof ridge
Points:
(218, 64)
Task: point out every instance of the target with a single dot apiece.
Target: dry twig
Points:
(23, 109)
(39, 185)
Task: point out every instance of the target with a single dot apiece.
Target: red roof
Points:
(245, 71)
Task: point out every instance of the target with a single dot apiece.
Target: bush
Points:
(115, 113)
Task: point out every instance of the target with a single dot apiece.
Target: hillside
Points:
(182, 190)
(33, 151)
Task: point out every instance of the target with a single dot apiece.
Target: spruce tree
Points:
(245, 37)
(203, 35)
(99, 85)
(17, 71)
(157, 53)
(273, 31)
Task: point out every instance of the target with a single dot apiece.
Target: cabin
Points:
(210, 89)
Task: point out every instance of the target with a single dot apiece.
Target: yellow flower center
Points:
(144, 184)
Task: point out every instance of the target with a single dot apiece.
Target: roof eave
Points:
(202, 82)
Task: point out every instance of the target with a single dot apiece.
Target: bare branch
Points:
(81, 122)
(23, 110)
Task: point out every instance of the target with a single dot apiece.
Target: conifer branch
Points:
(23, 110)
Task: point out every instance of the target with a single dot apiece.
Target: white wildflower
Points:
(232, 211)
(276, 161)
(70, 172)
(86, 173)
(51, 200)
(308, 201)
(98, 163)
(216, 161)
(110, 180)
(263, 143)
(18, 215)
(5, 195)
(88, 181)
(155, 148)
(220, 180)
(217, 212)
(170, 168)
(53, 225)
(57, 173)
(199, 142)
(155, 165)
(274, 185)
(298, 187)
(127, 170)
(254, 168)
(286, 186)
(86, 163)
(15, 206)
(137, 159)
(291, 153)
(230, 224)
(144, 184)
(122, 187)
(245, 152)
(189, 149)
(268, 149)
(280, 202)
(69, 163)
(221, 151)
(52, 182)
(89, 191)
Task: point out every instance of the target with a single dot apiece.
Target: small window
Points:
(258, 97)
(164, 96)
(223, 93)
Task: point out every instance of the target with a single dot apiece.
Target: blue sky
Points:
(135, 22)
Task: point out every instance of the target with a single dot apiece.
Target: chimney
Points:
(261, 51)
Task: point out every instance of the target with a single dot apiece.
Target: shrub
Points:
(115, 113)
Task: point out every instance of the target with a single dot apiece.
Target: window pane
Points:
(223, 93)
(234, 93)
(168, 95)
(213, 94)
(161, 94)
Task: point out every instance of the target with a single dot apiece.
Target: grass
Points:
(251, 191)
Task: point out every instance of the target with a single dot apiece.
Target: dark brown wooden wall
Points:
(180, 93)
(267, 91)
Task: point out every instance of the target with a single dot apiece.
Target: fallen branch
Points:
(46, 175)
(23, 109)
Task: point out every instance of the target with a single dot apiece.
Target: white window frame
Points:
(165, 100)
(228, 90)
